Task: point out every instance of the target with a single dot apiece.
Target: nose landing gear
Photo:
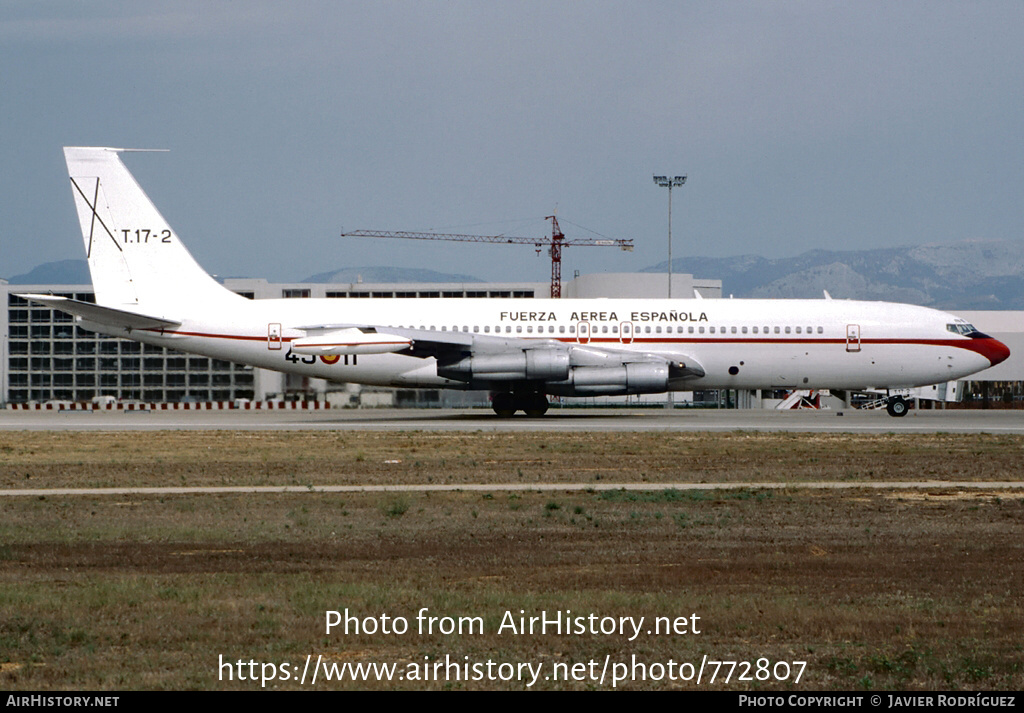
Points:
(897, 406)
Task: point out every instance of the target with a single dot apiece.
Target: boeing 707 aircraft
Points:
(149, 288)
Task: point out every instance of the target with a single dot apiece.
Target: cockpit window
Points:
(968, 330)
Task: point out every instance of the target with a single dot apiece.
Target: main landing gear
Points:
(897, 406)
(506, 403)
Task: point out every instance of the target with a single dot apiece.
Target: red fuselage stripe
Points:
(992, 349)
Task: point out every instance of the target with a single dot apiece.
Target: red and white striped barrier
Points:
(186, 406)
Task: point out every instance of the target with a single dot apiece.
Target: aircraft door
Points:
(274, 336)
(626, 332)
(583, 332)
(853, 337)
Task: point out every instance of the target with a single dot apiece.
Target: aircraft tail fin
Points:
(136, 260)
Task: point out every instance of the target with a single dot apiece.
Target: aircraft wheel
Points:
(503, 405)
(536, 405)
(897, 406)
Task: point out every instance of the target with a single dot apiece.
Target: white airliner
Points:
(149, 288)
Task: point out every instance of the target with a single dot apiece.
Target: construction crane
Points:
(555, 244)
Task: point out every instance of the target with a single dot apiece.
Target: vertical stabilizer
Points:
(135, 258)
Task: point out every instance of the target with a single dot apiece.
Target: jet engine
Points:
(526, 365)
(634, 378)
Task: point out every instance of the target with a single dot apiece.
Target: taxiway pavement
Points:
(557, 420)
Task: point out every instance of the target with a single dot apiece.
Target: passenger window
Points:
(787, 330)
(820, 330)
(711, 329)
(647, 329)
(561, 329)
(701, 330)
(798, 330)
(733, 330)
(744, 330)
(604, 329)
(777, 330)
(658, 329)
(669, 329)
(690, 330)
(529, 329)
(519, 329)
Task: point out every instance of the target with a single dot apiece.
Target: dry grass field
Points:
(872, 589)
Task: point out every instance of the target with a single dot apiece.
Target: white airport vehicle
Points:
(149, 288)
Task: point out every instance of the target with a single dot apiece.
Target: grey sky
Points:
(800, 126)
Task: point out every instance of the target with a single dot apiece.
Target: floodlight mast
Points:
(669, 183)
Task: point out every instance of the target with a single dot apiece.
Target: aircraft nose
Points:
(994, 350)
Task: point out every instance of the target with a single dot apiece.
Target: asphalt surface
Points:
(556, 420)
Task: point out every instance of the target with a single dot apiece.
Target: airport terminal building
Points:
(45, 357)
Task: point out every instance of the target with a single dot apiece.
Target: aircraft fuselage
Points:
(743, 344)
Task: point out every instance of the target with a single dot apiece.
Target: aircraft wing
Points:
(484, 360)
(348, 340)
(375, 339)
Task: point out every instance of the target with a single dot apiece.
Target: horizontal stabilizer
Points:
(353, 340)
(107, 316)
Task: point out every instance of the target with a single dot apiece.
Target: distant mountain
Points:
(974, 274)
(388, 274)
(63, 272)
(76, 272)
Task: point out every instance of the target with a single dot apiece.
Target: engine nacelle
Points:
(635, 378)
(529, 365)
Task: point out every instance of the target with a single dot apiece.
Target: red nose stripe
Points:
(992, 349)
